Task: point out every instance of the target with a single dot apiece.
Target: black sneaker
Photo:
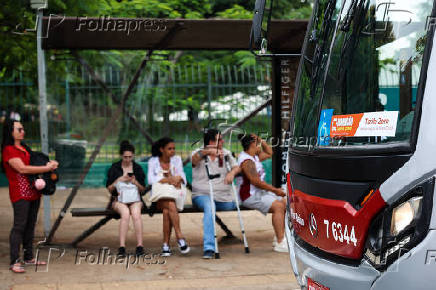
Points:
(183, 246)
(121, 251)
(140, 251)
(208, 254)
(166, 251)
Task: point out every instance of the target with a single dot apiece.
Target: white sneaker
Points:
(282, 247)
(166, 251)
(274, 243)
(183, 246)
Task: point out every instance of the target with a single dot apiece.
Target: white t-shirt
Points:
(245, 188)
(155, 171)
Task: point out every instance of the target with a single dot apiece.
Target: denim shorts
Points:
(261, 200)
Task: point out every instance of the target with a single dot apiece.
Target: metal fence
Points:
(169, 100)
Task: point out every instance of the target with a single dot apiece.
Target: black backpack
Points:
(50, 178)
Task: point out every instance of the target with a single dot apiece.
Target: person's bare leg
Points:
(135, 211)
(278, 219)
(166, 224)
(124, 213)
(170, 231)
(174, 218)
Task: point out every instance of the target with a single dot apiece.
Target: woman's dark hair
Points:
(126, 146)
(209, 135)
(246, 140)
(161, 143)
(8, 128)
(8, 139)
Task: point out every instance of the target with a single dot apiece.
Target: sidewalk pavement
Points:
(80, 268)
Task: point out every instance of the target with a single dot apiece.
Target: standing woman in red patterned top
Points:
(24, 197)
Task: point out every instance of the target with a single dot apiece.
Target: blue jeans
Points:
(203, 202)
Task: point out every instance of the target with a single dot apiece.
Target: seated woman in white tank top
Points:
(255, 193)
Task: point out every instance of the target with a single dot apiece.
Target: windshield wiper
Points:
(351, 40)
(345, 25)
(321, 45)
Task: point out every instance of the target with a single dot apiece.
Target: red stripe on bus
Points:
(329, 224)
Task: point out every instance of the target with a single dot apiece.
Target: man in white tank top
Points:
(255, 193)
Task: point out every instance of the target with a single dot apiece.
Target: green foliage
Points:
(284, 9)
(236, 12)
(245, 58)
(300, 13)
(18, 47)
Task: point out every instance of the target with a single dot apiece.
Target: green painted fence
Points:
(98, 173)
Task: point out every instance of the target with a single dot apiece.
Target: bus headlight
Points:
(400, 227)
(404, 214)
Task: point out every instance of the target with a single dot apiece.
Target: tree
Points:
(18, 45)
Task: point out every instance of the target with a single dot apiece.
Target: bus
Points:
(361, 163)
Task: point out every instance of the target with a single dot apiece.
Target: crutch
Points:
(212, 203)
(241, 222)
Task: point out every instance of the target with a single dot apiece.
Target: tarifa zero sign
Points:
(364, 124)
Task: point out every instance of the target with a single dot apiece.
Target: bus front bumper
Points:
(334, 276)
(414, 270)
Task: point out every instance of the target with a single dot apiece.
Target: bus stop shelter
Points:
(104, 33)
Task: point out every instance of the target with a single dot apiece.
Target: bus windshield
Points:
(359, 73)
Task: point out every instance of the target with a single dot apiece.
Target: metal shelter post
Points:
(209, 91)
(283, 79)
(67, 99)
(42, 86)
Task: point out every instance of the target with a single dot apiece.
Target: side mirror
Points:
(256, 33)
(260, 30)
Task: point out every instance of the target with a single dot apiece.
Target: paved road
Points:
(80, 268)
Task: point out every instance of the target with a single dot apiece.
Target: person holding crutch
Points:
(214, 154)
